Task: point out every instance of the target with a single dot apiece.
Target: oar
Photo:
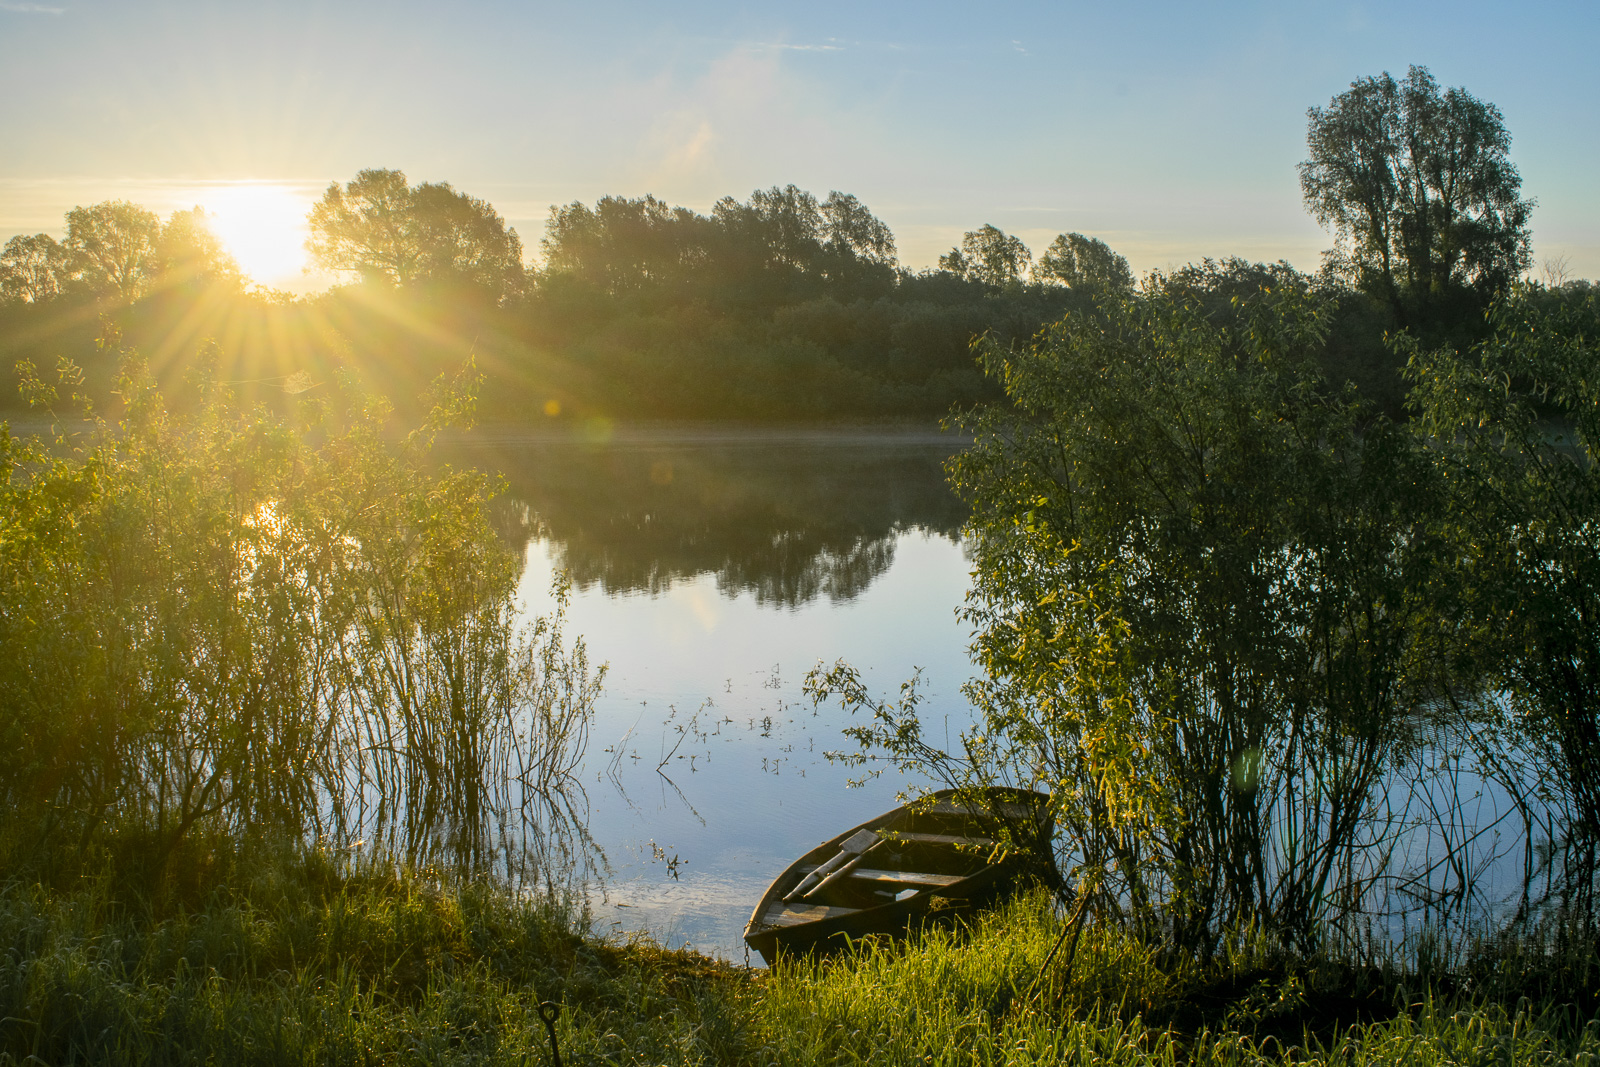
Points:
(842, 872)
(850, 849)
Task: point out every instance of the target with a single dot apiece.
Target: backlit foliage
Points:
(232, 623)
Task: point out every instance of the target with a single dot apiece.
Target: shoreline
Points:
(599, 432)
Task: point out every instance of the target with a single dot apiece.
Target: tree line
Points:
(114, 250)
(783, 305)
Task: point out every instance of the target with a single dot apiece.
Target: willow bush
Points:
(1201, 572)
(1199, 575)
(1513, 424)
(226, 622)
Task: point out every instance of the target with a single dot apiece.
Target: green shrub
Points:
(230, 623)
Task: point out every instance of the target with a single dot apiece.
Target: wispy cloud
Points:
(688, 150)
(832, 44)
(30, 9)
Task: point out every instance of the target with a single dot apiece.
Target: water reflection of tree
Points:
(788, 521)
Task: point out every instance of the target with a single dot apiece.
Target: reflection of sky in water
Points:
(712, 593)
(719, 677)
(711, 684)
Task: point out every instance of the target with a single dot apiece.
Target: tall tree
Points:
(620, 245)
(114, 247)
(379, 227)
(849, 228)
(1418, 189)
(1080, 262)
(189, 253)
(33, 269)
(783, 237)
(782, 226)
(988, 255)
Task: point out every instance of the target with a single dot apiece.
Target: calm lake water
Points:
(711, 570)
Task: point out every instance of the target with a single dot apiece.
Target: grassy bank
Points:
(296, 961)
(982, 995)
(299, 959)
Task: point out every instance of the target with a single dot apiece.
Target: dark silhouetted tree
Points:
(849, 228)
(189, 253)
(379, 227)
(1080, 262)
(621, 245)
(781, 245)
(988, 255)
(782, 227)
(1418, 189)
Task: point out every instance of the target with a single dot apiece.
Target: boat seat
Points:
(944, 839)
(796, 913)
(1010, 811)
(906, 877)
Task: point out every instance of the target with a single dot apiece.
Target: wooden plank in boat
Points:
(946, 839)
(796, 913)
(1010, 811)
(906, 877)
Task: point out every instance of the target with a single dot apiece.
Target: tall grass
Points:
(982, 994)
(290, 958)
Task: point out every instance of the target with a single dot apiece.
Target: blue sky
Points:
(1170, 130)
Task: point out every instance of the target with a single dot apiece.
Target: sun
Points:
(262, 225)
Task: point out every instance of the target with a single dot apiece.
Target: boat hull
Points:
(930, 864)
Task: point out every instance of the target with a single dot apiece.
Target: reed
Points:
(226, 623)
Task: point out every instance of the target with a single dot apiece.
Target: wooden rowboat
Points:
(881, 876)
